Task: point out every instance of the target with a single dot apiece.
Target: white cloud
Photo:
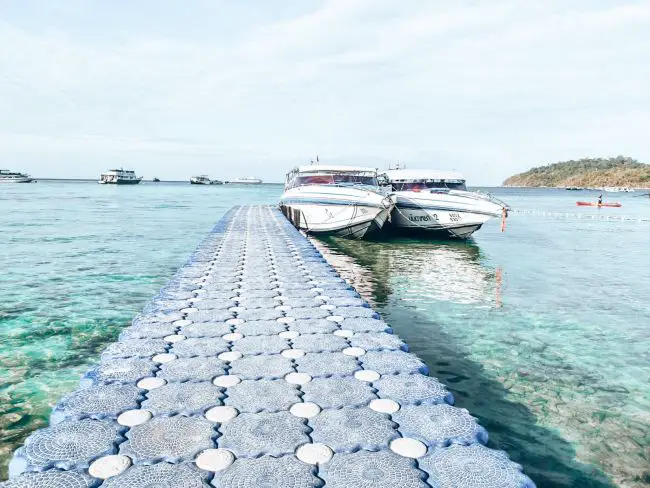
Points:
(503, 84)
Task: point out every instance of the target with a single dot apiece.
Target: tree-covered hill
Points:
(593, 173)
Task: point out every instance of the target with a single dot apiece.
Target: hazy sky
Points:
(228, 88)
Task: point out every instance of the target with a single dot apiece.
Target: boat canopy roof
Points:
(329, 168)
(405, 175)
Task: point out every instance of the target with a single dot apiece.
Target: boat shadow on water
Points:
(383, 271)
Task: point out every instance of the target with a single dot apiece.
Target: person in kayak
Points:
(600, 199)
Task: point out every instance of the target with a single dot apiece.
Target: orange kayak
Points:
(593, 204)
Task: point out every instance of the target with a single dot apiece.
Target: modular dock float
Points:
(258, 366)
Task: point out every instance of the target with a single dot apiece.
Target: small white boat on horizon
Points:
(438, 201)
(343, 200)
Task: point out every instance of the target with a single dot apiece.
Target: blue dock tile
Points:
(260, 327)
(159, 475)
(199, 346)
(413, 389)
(71, 444)
(340, 293)
(391, 362)
(337, 392)
(439, 425)
(212, 304)
(365, 325)
(347, 302)
(183, 398)
(320, 343)
(254, 303)
(308, 313)
(366, 469)
(299, 293)
(98, 402)
(210, 316)
(150, 331)
(172, 439)
(135, 348)
(267, 471)
(51, 479)
(308, 302)
(376, 341)
(262, 395)
(157, 318)
(475, 466)
(327, 364)
(250, 345)
(192, 369)
(357, 312)
(265, 293)
(166, 305)
(254, 435)
(119, 371)
(313, 326)
(351, 429)
(257, 367)
(260, 314)
(206, 329)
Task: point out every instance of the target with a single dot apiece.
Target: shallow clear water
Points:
(542, 332)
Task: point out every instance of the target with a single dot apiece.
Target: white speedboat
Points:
(119, 177)
(438, 201)
(7, 176)
(342, 200)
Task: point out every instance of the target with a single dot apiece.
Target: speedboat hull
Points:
(346, 212)
(455, 214)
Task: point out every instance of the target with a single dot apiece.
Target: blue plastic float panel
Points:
(257, 365)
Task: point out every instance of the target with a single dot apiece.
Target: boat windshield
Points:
(428, 184)
(337, 179)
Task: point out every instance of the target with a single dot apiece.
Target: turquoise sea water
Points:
(542, 332)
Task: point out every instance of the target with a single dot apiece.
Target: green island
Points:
(620, 171)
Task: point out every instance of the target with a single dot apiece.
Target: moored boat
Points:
(8, 176)
(200, 180)
(438, 201)
(343, 200)
(119, 177)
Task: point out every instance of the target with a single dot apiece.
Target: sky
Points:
(253, 88)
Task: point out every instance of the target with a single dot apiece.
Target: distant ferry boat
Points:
(246, 180)
(7, 176)
(119, 177)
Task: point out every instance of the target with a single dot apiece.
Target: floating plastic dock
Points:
(258, 366)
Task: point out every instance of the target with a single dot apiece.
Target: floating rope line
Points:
(619, 218)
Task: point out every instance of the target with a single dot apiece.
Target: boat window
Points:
(336, 179)
(430, 184)
(315, 180)
(352, 179)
